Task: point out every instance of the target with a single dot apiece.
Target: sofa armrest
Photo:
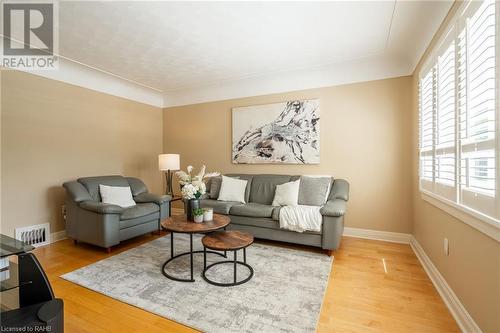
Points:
(334, 208)
(101, 208)
(151, 197)
(340, 190)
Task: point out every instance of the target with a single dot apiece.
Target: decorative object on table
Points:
(208, 214)
(193, 187)
(198, 215)
(277, 133)
(169, 163)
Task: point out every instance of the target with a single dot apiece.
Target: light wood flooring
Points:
(374, 287)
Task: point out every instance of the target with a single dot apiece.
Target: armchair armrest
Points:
(151, 197)
(77, 191)
(334, 208)
(101, 208)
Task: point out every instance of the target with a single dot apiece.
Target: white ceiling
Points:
(200, 51)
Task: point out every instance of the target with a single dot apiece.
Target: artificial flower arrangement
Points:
(193, 187)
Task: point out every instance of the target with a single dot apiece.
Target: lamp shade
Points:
(169, 162)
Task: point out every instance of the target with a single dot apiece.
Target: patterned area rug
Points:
(284, 295)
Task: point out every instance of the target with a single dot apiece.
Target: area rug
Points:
(284, 295)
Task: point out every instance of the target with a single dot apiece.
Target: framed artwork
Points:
(286, 133)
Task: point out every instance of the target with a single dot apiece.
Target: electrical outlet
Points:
(446, 248)
(63, 212)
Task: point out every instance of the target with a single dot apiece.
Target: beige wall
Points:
(53, 132)
(473, 267)
(365, 138)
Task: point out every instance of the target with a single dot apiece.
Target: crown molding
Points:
(95, 79)
(359, 70)
(352, 71)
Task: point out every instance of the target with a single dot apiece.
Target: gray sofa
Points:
(91, 221)
(261, 219)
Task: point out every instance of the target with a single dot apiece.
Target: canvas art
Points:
(277, 133)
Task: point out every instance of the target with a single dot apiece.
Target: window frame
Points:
(476, 219)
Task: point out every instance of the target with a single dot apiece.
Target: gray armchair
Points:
(91, 221)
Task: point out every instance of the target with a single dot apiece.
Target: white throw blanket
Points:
(301, 218)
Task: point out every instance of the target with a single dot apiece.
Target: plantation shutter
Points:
(458, 102)
(427, 107)
(477, 109)
(444, 162)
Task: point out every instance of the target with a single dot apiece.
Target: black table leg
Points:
(171, 244)
(235, 256)
(204, 257)
(191, 251)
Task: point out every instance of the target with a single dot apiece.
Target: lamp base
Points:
(168, 190)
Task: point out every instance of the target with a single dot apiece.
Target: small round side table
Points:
(227, 241)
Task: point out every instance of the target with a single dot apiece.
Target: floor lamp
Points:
(169, 163)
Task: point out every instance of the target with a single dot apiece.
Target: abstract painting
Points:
(277, 133)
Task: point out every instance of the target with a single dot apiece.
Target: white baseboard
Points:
(463, 318)
(394, 237)
(57, 236)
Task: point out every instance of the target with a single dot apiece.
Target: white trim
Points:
(376, 67)
(57, 236)
(92, 78)
(457, 309)
(473, 218)
(387, 236)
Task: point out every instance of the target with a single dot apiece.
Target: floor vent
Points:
(36, 235)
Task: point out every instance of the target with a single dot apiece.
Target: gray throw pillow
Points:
(313, 191)
(215, 187)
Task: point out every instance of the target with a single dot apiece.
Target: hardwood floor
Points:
(374, 287)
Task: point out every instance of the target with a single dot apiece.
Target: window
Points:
(458, 102)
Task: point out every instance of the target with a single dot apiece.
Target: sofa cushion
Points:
(219, 207)
(139, 220)
(313, 191)
(92, 184)
(264, 186)
(141, 209)
(264, 222)
(252, 210)
(136, 185)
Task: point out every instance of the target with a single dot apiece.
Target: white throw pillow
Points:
(287, 194)
(117, 195)
(232, 189)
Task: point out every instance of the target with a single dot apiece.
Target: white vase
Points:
(208, 214)
(198, 218)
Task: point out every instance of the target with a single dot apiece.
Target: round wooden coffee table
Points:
(227, 241)
(180, 224)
